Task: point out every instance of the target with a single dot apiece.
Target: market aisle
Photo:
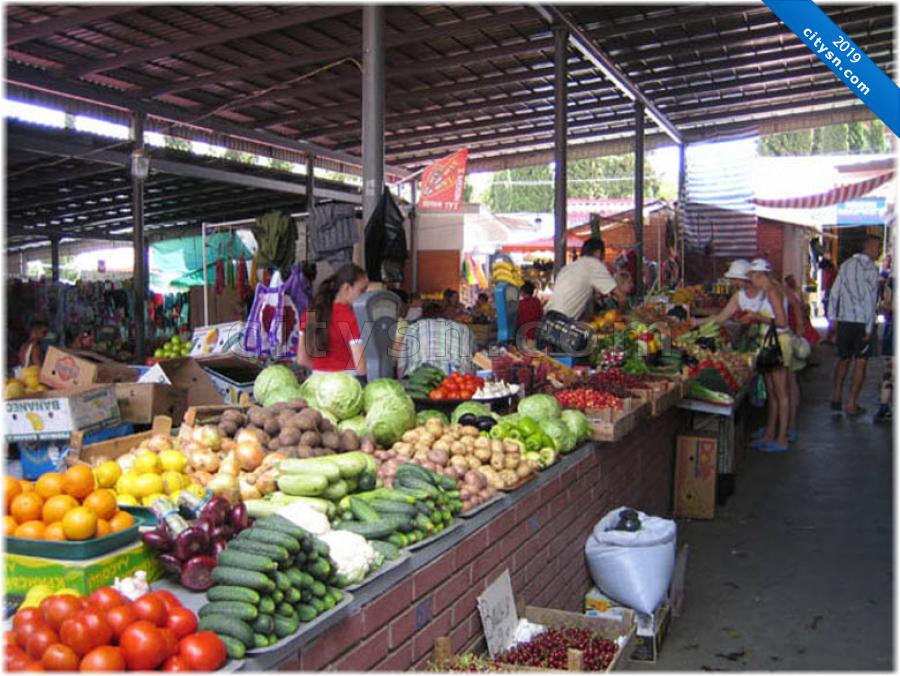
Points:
(795, 572)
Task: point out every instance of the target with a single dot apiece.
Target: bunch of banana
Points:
(505, 272)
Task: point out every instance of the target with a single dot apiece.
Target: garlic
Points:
(133, 587)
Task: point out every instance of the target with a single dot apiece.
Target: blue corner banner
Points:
(851, 65)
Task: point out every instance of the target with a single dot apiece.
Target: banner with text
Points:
(443, 182)
(852, 66)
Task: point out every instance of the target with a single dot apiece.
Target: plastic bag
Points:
(273, 325)
(633, 568)
(758, 392)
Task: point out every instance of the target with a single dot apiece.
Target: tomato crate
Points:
(661, 395)
(612, 424)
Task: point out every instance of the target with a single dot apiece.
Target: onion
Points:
(245, 436)
(271, 460)
(267, 482)
(230, 465)
(204, 460)
(159, 443)
(225, 485)
(249, 456)
(248, 490)
(208, 436)
(201, 478)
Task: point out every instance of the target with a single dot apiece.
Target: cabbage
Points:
(540, 407)
(430, 413)
(382, 387)
(270, 379)
(469, 407)
(556, 429)
(388, 418)
(281, 394)
(513, 418)
(328, 415)
(357, 424)
(338, 393)
(308, 389)
(578, 424)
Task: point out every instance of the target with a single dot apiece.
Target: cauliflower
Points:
(306, 517)
(351, 553)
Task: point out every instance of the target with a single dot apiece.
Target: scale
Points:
(506, 301)
(376, 313)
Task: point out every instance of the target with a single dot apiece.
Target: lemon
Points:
(197, 489)
(173, 481)
(147, 484)
(146, 463)
(108, 474)
(126, 484)
(172, 461)
(127, 501)
(150, 499)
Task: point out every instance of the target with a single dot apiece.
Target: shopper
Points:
(773, 310)
(31, 353)
(887, 351)
(451, 305)
(853, 302)
(744, 304)
(530, 311)
(333, 342)
(829, 274)
(83, 341)
(438, 341)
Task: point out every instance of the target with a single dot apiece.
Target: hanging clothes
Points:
(243, 286)
(386, 250)
(332, 232)
(220, 277)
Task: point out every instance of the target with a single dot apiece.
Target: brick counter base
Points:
(539, 538)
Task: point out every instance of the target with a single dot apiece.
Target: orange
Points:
(102, 503)
(79, 524)
(26, 485)
(56, 508)
(55, 532)
(33, 530)
(103, 528)
(121, 521)
(78, 481)
(49, 484)
(9, 525)
(26, 507)
(11, 488)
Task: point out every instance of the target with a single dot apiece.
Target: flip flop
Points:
(759, 433)
(758, 443)
(773, 447)
(858, 411)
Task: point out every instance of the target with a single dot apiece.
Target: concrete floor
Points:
(796, 570)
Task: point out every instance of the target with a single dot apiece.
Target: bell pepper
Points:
(534, 442)
(527, 426)
(500, 430)
(513, 434)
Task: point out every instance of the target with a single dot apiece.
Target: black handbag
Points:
(769, 357)
(564, 335)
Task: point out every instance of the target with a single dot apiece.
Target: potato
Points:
(227, 428)
(475, 480)
(427, 439)
(332, 440)
(285, 418)
(508, 477)
(272, 427)
(459, 461)
(458, 448)
(496, 481)
(349, 440)
(289, 451)
(510, 461)
(510, 447)
(311, 438)
(257, 416)
(404, 449)
(325, 425)
(482, 442)
(232, 414)
(410, 437)
(434, 427)
(497, 461)
(469, 431)
(297, 404)
(473, 462)
(469, 443)
(308, 419)
(275, 409)
(419, 446)
(483, 454)
(441, 445)
(420, 456)
(438, 457)
(455, 428)
(274, 444)
(322, 452)
(289, 436)
(367, 444)
(496, 446)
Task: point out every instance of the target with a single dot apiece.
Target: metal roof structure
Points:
(476, 76)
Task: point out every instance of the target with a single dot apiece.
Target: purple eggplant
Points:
(157, 539)
(170, 563)
(222, 533)
(196, 574)
(191, 542)
(216, 510)
(218, 547)
(240, 517)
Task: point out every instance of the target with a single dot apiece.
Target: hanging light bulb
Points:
(140, 165)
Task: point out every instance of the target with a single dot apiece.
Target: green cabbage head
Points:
(281, 394)
(430, 413)
(381, 388)
(539, 407)
(469, 407)
(556, 429)
(270, 379)
(578, 424)
(388, 418)
(356, 423)
(337, 393)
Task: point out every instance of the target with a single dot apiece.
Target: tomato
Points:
(39, 640)
(171, 642)
(119, 618)
(168, 598)
(150, 608)
(182, 622)
(25, 630)
(203, 651)
(58, 608)
(106, 598)
(436, 395)
(100, 631)
(27, 615)
(176, 663)
(104, 658)
(16, 659)
(9, 638)
(75, 633)
(143, 646)
(60, 657)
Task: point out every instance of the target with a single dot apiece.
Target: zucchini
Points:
(236, 649)
(274, 552)
(245, 560)
(324, 468)
(386, 549)
(225, 625)
(232, 593)
(377, 529)
(336, 491)
(365, 511)
(386, 507)
(237, 609)
(272, 537)
(282, 525)
(242, 578)
(286, 626)
(266, 605)
(260, 641)
(306, 613)
(264, 624)
(307, 485)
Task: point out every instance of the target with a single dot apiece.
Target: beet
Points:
(157, 539)
(170, 563)
(240, 517)
(196, 574)
(191, 542)
(216, 510)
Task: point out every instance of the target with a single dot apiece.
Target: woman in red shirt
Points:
(530, 311)
(334, 342)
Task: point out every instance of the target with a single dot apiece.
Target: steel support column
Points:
(54, 257)
(680, 233)
(372, 108)
(310, 181)
(639, 197)
(413, 237)
(140, 256)
(560, 81)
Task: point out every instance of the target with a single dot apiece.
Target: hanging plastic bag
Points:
(273, 324)
(632, 567)
(758, 392)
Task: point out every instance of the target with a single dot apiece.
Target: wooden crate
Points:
(660, 396)
(205, 415)
(94, 454)
(613, 424)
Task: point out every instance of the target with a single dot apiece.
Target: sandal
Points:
(836, 405)
(859, 410)
(759, 443)
(773, 447)
(759, 433)
(792, 436)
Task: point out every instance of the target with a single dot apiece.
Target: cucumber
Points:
(306, 595)
(364, 511)
(273, 637)
(386, 549)
(242, 578)
(232, 593)
(336, 594)
(264, 624)
(284, 610)
(260, 641)
(237, 609)
(301, 557)
(368, 481)
(318, 589)
(292, 596)
(245, 560)
(329, 602)
(398, 540)
(413, 494)
(412, 482)
(266, 605)
(299, 579)
(318, 604)
(414, 471)
(272, 537)
(386, 507)
(386, 494)
(306, 613)
(445, 482)
(282, 525)
(282, 581)
(324, 468)
(286, 627)
(277, 597)
(274, 552)
(320, 570)
(225, 625)
(307, 485)
(424, 523)
(351, 465)
(377, 529)
(235, 649)
(320, 547)
(336, 490)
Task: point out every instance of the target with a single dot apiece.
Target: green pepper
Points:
(499, 431)
(527, 427)
(546, 440)
(513, 433)
(533, 443)
(485, 434)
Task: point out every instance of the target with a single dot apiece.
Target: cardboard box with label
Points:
(55, 415)
(219, 339)
(231, 375)
(696, 475)
(63, 370)
(24, 572)
(139, 403)
(187, 374)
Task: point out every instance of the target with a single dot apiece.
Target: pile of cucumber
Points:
(421, 380)
(330, 477)
(269, 579)
(421, 504)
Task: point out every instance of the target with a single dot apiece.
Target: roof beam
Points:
(194, 42)
(78, 17)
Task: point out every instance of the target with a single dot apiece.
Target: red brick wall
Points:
(654, 235)
(540, 538)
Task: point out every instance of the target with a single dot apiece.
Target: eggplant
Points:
(157, 539)
(468, 419)
(222, 533)
(196, 574)
(485, 423)
(216, 511)
(240, 517)
(170, 563)
(191, 542)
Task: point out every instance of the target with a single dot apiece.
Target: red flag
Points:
(443, 182)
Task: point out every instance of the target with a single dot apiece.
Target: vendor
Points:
(31, 353)
(83, 341)
(451, 307)
(625, 283)
(438, 341)
(334, 341)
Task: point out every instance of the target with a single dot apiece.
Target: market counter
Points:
(538, 532)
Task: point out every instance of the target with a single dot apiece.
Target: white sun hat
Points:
(738, 269)
(760, 265)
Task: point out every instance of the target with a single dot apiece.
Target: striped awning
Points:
(837, 195)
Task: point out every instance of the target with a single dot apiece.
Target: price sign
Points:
(498, 614)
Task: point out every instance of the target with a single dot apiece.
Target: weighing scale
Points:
(376, 313)
(506, 301)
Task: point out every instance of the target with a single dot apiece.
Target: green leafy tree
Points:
(857, 140)
(875, 137)
(788, 144)
(834, 140)
(179, 144)
(522, 189)
(467, 192)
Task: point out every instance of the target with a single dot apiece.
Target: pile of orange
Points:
(62, 506)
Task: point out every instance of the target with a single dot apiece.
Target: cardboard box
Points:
(651, 632)
(24, 572)
(231, 375)
(40, 457)
(63, 370)
(219, 339)
(695, 476)
(55, 415)
(94, 451)
(140, 402)
(187, 374)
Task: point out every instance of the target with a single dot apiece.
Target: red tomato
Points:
(168, 598)
(176, 663)
(39, 640)
(75, 633)
(25, 630)
(58, 608)
(143, 646)
(203, 651)
(9, 638)
(106, 598)
(100, 631)
(27, 616)
(171, 642)
(16, 659)
(119, 618)
(150, 608)
(436, 394)
(60, 657)
(104, 658)
(182, 622)
(32, 665)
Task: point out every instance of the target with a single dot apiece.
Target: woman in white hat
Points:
(773, 308)
(745, 302)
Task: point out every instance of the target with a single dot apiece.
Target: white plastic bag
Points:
(633, 568)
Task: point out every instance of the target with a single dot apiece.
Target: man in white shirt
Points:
(853, 303)
(576, 283)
